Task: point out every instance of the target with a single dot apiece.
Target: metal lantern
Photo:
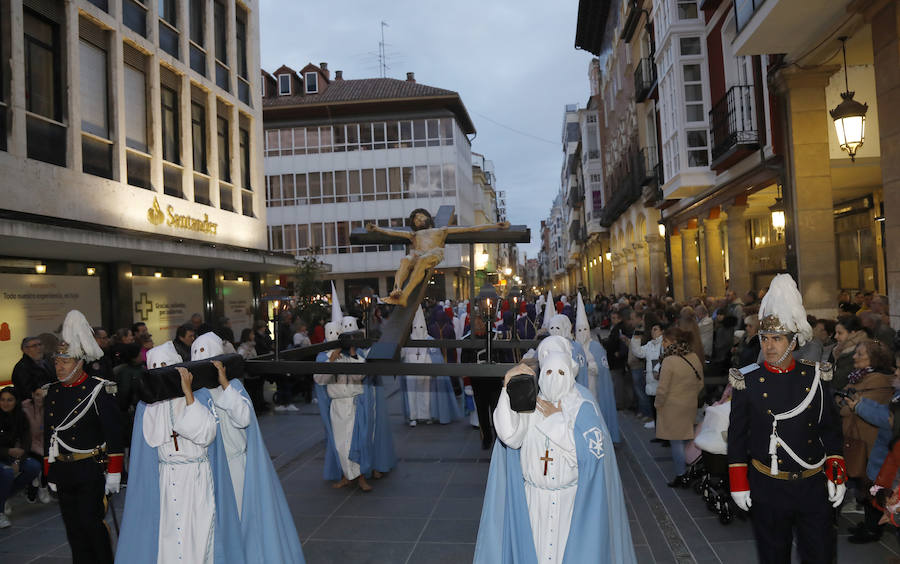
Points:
(849, 116)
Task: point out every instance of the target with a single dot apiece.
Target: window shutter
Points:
(94, 108)
(135, 109)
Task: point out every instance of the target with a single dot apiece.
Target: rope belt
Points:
(763, 469)
(560, 488)
(181, 461)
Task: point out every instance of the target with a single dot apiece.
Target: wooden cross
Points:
(174, 436)
(546, 458)
(395, 330)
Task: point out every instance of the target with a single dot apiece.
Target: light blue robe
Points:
(443, 405)
(139, 535)
(362, 444)
(384, 457)
(599, 531)
(581, 359)
(606, 395)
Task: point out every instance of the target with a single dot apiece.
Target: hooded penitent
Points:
(206, 346)
(557, 375)
(419, 327)
(560, 325)
(332, 331)
(553, 344)
(163, 355)
(77, 338)
(549, 311)
(336, 315)
(582, 327)
(348, 324)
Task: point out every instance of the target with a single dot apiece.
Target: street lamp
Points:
(849, 116)
(275, 295)
(488, 300)
(777, 209)
(366, 298)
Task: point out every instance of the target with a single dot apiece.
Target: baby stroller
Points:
(713, 483)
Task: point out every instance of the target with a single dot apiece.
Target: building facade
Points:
(341, 153)
(129, 136)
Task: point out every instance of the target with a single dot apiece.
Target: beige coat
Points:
(676, 397)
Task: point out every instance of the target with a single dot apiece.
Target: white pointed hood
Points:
(348, 324)
(336, 315)
(78, 338)
(549, 310)
(332, 330)
(582, 327)
(163, 355)
(419, 326)
(206, 346)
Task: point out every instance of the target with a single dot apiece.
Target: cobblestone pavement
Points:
(427, 509)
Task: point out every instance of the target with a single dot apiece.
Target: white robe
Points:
(550, 497)
(418, 388)
(234, 417)
(343, 389)
(187, 503)
(593, 370)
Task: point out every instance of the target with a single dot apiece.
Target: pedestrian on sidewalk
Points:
(651, 351)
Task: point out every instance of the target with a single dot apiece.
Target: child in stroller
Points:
(711, 439)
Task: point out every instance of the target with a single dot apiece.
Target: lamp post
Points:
(488, 299)
(366, 300)
(276, 295)
(849, 116)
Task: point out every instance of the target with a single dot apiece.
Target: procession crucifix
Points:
(546, 458)
(174, 436)
(426, 239)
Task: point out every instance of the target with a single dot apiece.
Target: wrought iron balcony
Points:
(576, 196)
(625, 187)
(733, 122)
(644, 79)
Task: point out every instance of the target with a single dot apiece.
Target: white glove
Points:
(836, 493)
(742, 499)
(112, 483)
(52, 486)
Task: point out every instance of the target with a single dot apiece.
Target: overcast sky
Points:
(513, 63)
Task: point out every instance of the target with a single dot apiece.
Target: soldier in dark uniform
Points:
(784, 438)
(82, 442)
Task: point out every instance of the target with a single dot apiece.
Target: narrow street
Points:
(427, 510)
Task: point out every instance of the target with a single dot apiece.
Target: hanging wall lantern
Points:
(849, 116)
(777, 209)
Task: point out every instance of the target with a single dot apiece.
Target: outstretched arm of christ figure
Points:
(476, 228)
(372, 228)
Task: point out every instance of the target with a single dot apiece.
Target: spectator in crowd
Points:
(734, 306)
(706, 327)
(748, 349)
(723, 342)
(823, 333)
(650, 351)
(875, 325)
(103, 366)
(680, 382)
(127, 377)
(139, 329)
(641, 403)
(848, 333)
(200, 327)
(247, 346)
(184, 338)
(844, 303)
(32, 371)
(16, 469)
(318, 334)
(146, 341)
(34, 412)
(617, 355)
(121, 338)
(225, 332)
(262, 339)
(301, 338)
(871, 379)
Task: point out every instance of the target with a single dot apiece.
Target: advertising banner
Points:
(238, 298)
(31, 304)
(165, 303)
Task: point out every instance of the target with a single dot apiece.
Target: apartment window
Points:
(284, 85)
(45, 133)
(170, 135)
(447, 131)
(687, 9)
(168, 26)
(220, 12)
(96, 148)
(134, 16)
(689, 46)
(197, 37)
(224, 149)
(312, 82)
(240, 28)
(698, 148)
(246, 178)
(693, 93)
(137, 159)
(198, 137)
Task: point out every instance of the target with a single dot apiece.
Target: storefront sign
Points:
(238, 297)
(31, 304)
(165, 303)
(156, 216)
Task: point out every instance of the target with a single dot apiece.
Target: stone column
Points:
(690, 255)
(738, 250)
(810, 205)
(617, 268)
(656, 247)
(677, 265)
(886, 47)
(642, 259)
(715, 257)
(628, 270)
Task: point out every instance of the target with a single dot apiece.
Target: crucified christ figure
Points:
(426, 250)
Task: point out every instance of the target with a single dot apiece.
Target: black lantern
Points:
(849, 116)
(515, 296)
(276, 296)
(488, 302)
(366, 300)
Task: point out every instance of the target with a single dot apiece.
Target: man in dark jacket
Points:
(617, 355)
(31, 372)
(184, 338)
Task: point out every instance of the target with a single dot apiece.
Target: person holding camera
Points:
(869, 387)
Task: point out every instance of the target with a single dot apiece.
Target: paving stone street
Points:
(427, 509)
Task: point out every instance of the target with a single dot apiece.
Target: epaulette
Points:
(826, 369)
(736, 379)
(109, 386)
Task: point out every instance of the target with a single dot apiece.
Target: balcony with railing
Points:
(576, 196)
(644, 79)
(625, 186)
(733, 133)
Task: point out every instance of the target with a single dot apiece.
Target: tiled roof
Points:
(361, 90)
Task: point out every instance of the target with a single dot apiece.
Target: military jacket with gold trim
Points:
(102, 424)
(812, 434)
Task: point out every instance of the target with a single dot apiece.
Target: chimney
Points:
(339, 75)
(324, 67)
(410, 77)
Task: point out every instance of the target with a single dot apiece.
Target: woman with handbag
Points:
(869, 387)
(680, 382)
